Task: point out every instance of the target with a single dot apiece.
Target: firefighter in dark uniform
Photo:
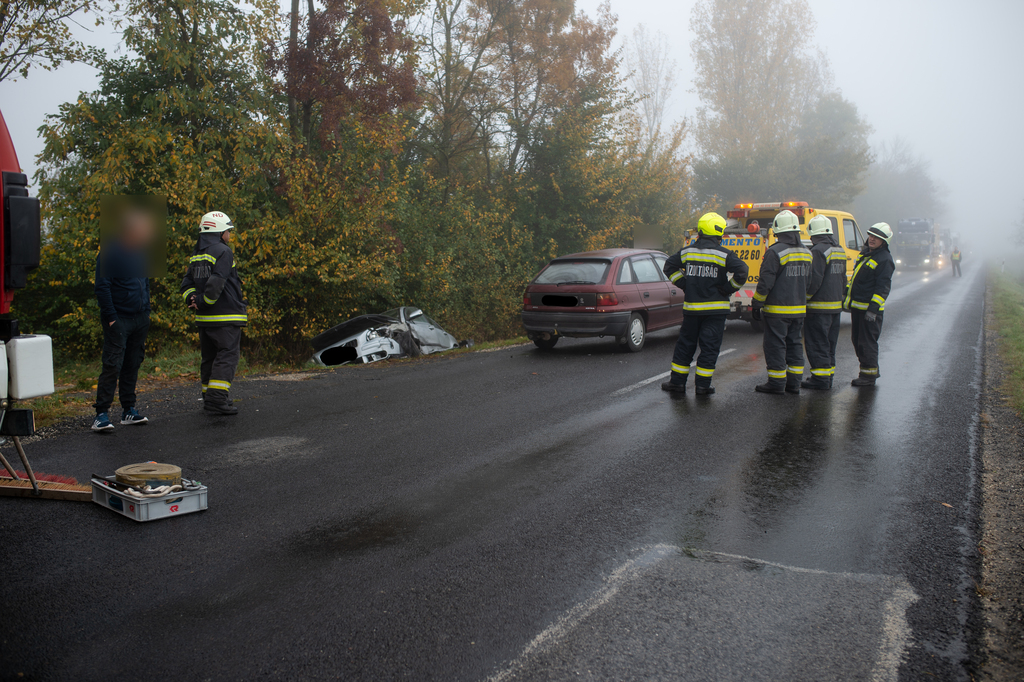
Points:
(781, 302)
(955, 259)
(825, 294)
(212, 288)
(708, 273)
(865, 299)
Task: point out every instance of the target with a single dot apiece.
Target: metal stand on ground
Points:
(28, 467)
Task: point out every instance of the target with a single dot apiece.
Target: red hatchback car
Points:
(621, 293)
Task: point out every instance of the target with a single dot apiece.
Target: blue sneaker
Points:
(102, 423)
(130, 416)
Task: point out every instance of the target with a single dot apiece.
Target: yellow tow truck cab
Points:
(749, 235)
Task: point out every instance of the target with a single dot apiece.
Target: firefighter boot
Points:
(216, 402)
(703, 388)
(817, 383)
(674, 386)
(777, 386)
(793, 383)
(864, 380)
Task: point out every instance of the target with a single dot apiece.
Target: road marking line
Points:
(896, 635)
(639, 384)
(895, 631)
(552, 634)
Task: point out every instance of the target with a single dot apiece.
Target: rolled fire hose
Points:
(154, 492)
(151, 474)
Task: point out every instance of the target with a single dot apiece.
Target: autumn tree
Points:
(771, 127)
(184, 115)
(38, 33)
(458, 86)
(899, 185)
(652, 75)
(353, 58)
(757, 72)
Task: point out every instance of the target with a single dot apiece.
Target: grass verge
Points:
(1008, 310)
(76, 381)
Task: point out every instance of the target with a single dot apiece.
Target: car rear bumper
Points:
(576, 324)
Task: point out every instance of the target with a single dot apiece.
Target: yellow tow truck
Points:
(749, 235)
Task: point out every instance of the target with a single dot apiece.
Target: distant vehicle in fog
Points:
(914, 245)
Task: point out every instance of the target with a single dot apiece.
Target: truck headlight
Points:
(927, 261)
(898, 261)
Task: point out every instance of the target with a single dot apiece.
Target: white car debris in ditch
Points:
(399, 333)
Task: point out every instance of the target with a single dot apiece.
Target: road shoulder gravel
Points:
(1002, 519)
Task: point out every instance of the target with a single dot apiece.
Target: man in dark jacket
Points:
(825, 293)
(781, 301)
(212, 288)
(122, 290)
(865, 299)
(709, 274)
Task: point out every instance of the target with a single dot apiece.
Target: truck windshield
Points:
(576, 271)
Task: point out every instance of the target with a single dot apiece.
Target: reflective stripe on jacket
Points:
(827, 285)
(212, 277)
(708, 273)
(871, 281)
(785, 274)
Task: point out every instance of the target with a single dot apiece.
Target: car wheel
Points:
(636, 334)
(546, 344)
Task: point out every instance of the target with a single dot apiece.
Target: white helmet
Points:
(819, 225)
(881, 230)
(785, 221)
(215, 221)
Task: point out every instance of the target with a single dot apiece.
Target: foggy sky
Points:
(944, 74)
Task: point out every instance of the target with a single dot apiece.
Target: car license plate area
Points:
(568, 300)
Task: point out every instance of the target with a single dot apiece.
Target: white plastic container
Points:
(150, 508)
(3, 370)
(30, 366)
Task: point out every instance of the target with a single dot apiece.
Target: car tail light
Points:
(607, 299)
(526, 300)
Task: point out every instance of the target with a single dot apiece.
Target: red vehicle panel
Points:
(621, 293)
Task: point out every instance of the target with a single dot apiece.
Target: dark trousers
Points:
(784, 349)
(220, 348)
(865, 342)
(124, 347)
(821, 336)
(956, 269)
(705, 331)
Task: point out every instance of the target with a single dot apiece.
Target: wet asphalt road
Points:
(525, 515)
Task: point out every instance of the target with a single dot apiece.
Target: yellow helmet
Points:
(711, 225)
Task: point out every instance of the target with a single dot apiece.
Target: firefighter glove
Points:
(755, 314)
(870, 317)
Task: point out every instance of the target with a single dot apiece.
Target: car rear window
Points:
(575, 271)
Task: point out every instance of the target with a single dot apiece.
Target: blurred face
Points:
(874, 242)
(226, 236)
(137, 229)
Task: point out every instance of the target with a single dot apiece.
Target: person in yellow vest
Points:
(955, 258)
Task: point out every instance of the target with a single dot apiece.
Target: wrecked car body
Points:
(400, 333)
